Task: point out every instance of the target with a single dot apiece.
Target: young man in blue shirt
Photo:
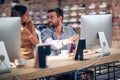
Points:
(59, 36)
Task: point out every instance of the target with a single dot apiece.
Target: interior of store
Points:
(73, 10)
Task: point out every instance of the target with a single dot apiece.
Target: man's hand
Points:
(72, 39)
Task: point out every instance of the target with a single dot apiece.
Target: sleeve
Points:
(55, 44)
(47, 39)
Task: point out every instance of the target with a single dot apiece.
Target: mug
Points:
(20, 62)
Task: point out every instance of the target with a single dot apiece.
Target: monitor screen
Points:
(10, 35)
(91, 25)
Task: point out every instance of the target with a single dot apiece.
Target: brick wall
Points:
(116, 37)
(5, 8)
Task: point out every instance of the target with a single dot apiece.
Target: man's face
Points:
(53, 19)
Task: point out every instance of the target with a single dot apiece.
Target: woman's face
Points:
(26, 17)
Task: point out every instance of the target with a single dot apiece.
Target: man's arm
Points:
(47, 38)
(57, 44)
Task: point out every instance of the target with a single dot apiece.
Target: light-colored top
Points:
(48, 36)
(28, 41)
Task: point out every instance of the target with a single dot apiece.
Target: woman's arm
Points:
(31, 34)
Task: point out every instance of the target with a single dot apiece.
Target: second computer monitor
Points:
(91, 25)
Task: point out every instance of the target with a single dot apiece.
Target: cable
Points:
(91, 63)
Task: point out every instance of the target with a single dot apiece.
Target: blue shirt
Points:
(48, 36)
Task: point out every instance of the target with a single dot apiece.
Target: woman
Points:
(28, 35)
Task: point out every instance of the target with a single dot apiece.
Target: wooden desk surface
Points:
(57, 65)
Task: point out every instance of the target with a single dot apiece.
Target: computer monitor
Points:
(92, 24)
(10, 35)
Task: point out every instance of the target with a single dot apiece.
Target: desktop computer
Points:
(9, 41)
(97, 32)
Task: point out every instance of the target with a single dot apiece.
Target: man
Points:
(57, 35)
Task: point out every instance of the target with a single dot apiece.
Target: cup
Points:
(64, 53)
(20, 62)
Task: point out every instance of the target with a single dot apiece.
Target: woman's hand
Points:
(24, 29)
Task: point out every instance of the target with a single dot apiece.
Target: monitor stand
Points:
(104, 44)
(4, 59)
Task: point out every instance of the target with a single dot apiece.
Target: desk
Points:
(27, 72)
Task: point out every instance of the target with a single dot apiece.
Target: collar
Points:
(63, 28)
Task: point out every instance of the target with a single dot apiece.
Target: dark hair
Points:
(59, 11)
(18, 11)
